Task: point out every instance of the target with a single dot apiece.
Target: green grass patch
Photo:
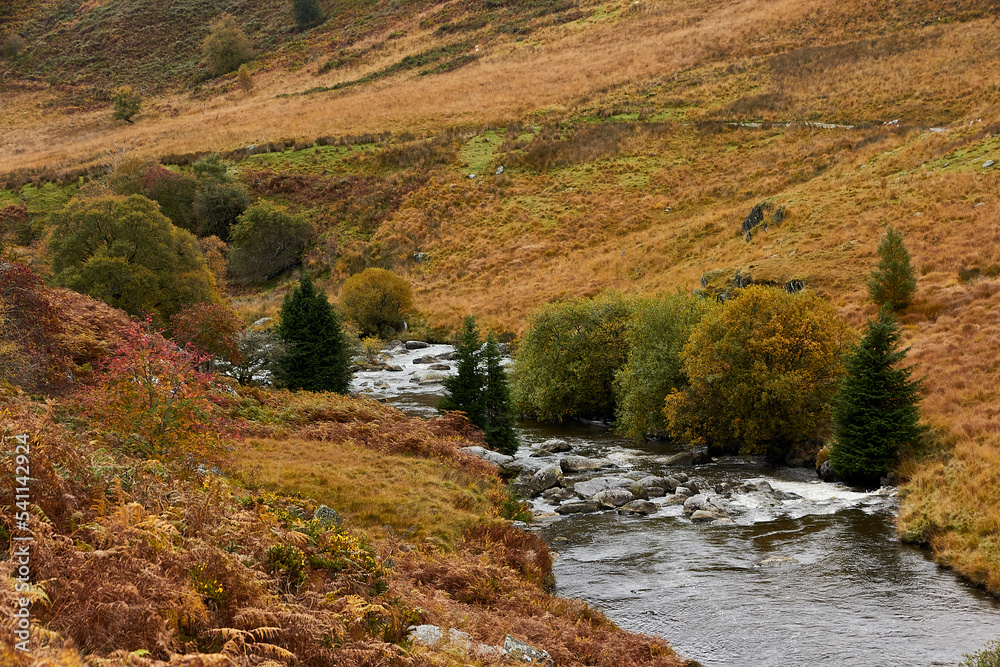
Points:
(48, 198)
(478, 151)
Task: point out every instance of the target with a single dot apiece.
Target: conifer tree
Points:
(892, 282)
(500, 433)
(876, 411)
(465, 388)
(316, 357)
(480, 389)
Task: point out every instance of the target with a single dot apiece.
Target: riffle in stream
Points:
(817, 580)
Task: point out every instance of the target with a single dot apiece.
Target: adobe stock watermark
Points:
(21, 540)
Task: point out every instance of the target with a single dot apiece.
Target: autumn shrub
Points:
(124, 251)
(266, 241)
(126, 102)
(260, 355)
(152, 401)
(656, 336)
(211, 328)
(32, 352)
(226, 47)
(567, 360)
(378, 300)
(762, 371)
(244, 78)
(13, 45)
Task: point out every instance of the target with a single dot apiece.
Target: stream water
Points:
(819, 580)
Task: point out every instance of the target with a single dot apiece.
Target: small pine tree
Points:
(500, 432)
(892, 282)
(480, 389)
(876, 411)
(316, 357)
(465, 388)
(307, 12)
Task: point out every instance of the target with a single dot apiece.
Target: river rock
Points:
(654, 491)
(394, 369)
(439, 367)
(518, 650)
(787, 495)
(523, 489)
(679, 459)
(489, 455)
(592, 487)
(580, 507)
(547, 477)
(724, 521)
(643, 507)
(651, 481)
(776, 561)
(679, 476)
(517, 465)
(558, 495)
(670, 483)
(826, 472)
(706, 503)
(672, 500)
(427, 359)
(683, 491)
(704, 516)
(573, 463)
(554, 446)
(613, 497)
(415, 345)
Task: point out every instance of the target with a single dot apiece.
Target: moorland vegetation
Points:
(520, 161)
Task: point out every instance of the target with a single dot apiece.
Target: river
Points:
(818, 580)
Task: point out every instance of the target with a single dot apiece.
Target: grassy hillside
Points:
(635, 137)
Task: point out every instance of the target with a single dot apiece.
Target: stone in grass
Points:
(327, 515)
(518, 650)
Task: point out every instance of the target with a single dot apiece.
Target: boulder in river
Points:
(573, 463)
(683, 491)
(517, 465)
(558, 495)
(679, 459)
(704, 516)
(489, 455)
(613, 497)
(547, 477)
(555, 446)
(579, 507)
(592, 487)
(776, 561)
(706, 503)
(643, 507)
(415, 345)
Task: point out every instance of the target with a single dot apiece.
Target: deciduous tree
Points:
(378, 300)
(266, 241)
(125, 252)
(877, 410)
(226, 47)
(656, 336)
(567, 361)
(316, 356)
(762, 371)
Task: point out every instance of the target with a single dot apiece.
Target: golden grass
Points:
(425, 498)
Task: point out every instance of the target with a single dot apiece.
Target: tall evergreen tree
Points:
(500, 433)
(465, 388)
(480, 389)
(876, 411)
(316, 357)
(892, 282)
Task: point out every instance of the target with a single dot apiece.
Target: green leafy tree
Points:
(876, 411)
(656, 337)
(316, 353)
(307, 12)
(892, 282)
(226, 47)
(762, 370)
(125, 102)
(480, 389)
(378, 300)
(217, 206)
(267, 241)
(567, 361)
(124, 251)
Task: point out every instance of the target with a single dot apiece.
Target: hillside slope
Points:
(635, 138)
